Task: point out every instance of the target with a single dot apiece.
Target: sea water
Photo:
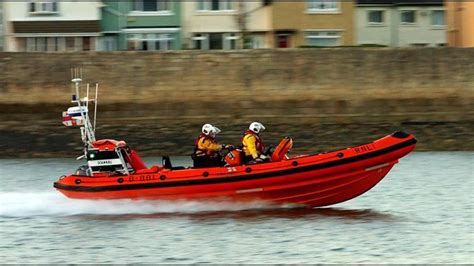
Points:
(422, 212)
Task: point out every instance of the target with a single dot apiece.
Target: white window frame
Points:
(438, 26)
(258, 41)
(37, 44)
(138, 8)
(206, 6)
(203, 38)
(44, 44)
(409, 23)
(371, 23)
(44, 7)
(312, 6)
(338, 35)
(163, 38)
(227, 39)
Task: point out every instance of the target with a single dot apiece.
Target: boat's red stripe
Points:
(241, 177)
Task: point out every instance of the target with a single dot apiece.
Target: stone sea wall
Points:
(324, 98)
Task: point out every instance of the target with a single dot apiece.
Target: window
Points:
(230, 41)
(258, 41)
(214, 5)
(45, 7)
(42, 44)
(151, 41)
(151, 5)
(199, 41)
(375, 17)
(323, 38)
(408, 17)
(215, 41)
(108, 43)
(437, 18)
(323, 5)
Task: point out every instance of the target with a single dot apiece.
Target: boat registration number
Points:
(142, 178)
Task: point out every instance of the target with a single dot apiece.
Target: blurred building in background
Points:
(211, 24)
(401, 23)
(313, 23)
(141, 25)
(460, 21)
(1, 26)
(52, 26)
(161, 25)
(226, 24)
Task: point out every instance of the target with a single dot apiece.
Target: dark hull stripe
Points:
(240, 177)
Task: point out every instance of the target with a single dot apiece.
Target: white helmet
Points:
(256, 127)
(210, 130)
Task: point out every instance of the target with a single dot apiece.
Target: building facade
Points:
(141, 25)
(52, 26)
(217, 24)
(316, 23)
(460, 23)
(406, 23)
(226, 24)
(1, 27)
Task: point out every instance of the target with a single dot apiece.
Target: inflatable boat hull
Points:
(311, 180)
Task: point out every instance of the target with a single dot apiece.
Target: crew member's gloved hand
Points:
(263, 157)
(229, 147)
(258, 160)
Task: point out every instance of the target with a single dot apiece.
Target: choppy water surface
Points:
(422, 212)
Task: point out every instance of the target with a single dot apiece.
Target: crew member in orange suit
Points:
(253, 146)
(206, 150)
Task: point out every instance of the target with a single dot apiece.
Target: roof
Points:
(74, 26)
(401, 2)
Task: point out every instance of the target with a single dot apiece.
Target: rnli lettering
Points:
(364, 148)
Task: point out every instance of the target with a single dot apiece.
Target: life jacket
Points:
(202, 152)
(260, 147)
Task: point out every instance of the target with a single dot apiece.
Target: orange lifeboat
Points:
(115, 171)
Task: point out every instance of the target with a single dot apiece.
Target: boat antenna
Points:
(87, 131)
(95, 104)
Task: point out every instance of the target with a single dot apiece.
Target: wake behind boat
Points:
(116, 171)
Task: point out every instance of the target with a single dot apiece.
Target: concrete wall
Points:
(324, 98)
